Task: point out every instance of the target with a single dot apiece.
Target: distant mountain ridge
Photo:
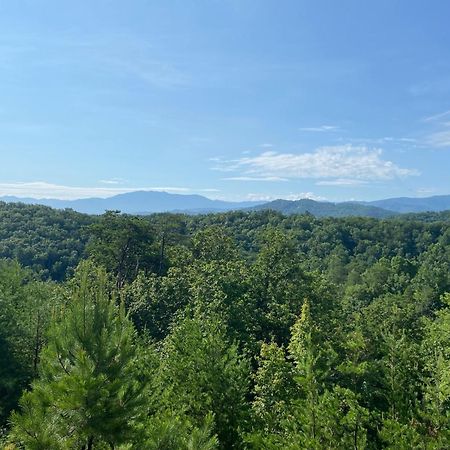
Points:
(138, 202)
(435, 203)
(325, 209)
(147, 202)
(378, 209)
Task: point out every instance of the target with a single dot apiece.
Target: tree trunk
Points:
(161, 255)
(37, 345)
(90, 443)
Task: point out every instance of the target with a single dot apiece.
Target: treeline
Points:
(52, 242)
(237, 330)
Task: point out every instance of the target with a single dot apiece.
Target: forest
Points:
(240, 330)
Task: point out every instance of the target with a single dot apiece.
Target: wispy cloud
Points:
(439, 139)
(336, 163)
(381, 140)
(290, 196)
(321, 128)
(436, 117)
(116, 55)
(341, 182)
(113, 181)
(42, 189)
(244, 178)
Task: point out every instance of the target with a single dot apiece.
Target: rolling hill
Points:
(325, 209)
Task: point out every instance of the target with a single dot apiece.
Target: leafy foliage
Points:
(88, 388)
(237, 330)
(49, 241)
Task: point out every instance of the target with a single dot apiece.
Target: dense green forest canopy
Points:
(52, 242)
(325, 209)
(49, 241)
(238, 330)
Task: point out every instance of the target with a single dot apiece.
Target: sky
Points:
(233, 99)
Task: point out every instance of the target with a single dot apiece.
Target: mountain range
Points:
(139, 202)
(413, 204)
(147, 202)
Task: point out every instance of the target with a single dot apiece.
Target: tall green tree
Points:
(301, 411)
(89, 391)
(203, 373)
(274, 389)
(436, 400)
(279, 285)
(309, 373)
(26, 308)
(124, 245)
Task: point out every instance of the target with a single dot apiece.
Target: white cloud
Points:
(338, 162)
(341, 182)
(321, 128)
(382, 140)
(292, 196)
(244, 178)
(205, 190)
(42, 189)
(113, 181)
(435, 117)
(439, 139)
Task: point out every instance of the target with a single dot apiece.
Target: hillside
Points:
(49, 241)
(325, 209)
(413, 205)
(52, 241)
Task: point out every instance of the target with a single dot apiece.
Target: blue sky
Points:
(238, 99)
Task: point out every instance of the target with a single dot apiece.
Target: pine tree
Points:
(168, 431)
(274, 389)
(25, 312)
(400, 370)
(306, 357)
(436, 353)
(204, 374)
(88, 391)
(309, 415)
